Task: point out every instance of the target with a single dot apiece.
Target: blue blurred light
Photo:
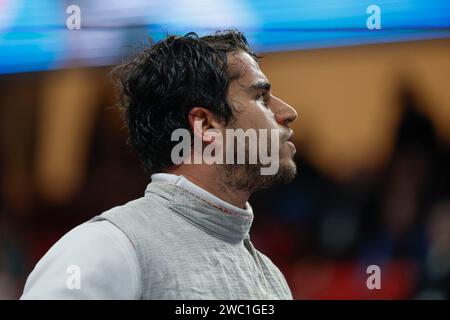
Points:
(33, 35)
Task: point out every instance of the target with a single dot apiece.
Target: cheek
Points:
(258, 117)
(267, 120)
(252, 114)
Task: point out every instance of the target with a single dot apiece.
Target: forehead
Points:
(247, 69)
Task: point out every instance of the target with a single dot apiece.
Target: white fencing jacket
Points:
(176, 242)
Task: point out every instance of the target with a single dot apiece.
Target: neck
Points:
(206, 177)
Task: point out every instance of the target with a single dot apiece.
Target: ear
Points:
(201, 121)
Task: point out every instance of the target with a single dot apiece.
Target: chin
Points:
(287, 171)
(249, 178)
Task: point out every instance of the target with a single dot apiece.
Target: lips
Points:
(289, 137)
(289, 141)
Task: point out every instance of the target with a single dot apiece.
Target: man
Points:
(188, 237)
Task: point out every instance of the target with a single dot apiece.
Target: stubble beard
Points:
(248, 177)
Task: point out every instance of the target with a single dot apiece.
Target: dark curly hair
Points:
(160, 86)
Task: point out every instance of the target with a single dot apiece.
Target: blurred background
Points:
(373, 136)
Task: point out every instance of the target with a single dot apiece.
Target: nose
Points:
(284, 113)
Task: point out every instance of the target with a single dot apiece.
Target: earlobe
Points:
(211, 134)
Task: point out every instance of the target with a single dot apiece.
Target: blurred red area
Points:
(347, 280)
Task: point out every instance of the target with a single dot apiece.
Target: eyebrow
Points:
(262, 85)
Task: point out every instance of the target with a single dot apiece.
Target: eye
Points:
(263, 98)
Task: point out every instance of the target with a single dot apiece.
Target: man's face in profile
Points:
(256, 108)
